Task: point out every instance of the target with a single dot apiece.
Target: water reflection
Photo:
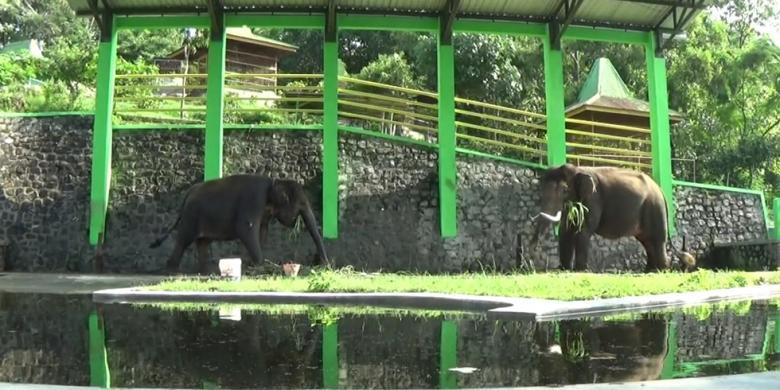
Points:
(68, 340)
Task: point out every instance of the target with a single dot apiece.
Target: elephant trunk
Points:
(311, 226)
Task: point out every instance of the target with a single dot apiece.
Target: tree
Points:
(726, 79)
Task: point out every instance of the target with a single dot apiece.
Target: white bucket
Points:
(230, 268)
(230, 314)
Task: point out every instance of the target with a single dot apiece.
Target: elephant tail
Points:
(162, 239)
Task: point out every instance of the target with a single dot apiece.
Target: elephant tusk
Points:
(551, 218)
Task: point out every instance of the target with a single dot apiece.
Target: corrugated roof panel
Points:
(532, 8)
(404, 6)
(261, 4)
(622, 12)
(619, 13)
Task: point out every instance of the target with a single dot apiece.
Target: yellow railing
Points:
(597, 143)
(290, 98)
(388, 109)
(504, 131)
(257, 98)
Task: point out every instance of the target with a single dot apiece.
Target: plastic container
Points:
(230, 268)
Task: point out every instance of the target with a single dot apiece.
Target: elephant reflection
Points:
(609, 352)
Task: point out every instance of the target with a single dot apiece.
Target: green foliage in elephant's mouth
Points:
(575, 214)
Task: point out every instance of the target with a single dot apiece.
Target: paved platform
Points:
(51, 283)
(762, 380)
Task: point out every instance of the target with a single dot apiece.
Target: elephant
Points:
(238, 207)
(620, 203)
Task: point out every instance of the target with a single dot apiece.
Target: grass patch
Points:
(556, 285)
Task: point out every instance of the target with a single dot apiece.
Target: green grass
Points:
(557, 285)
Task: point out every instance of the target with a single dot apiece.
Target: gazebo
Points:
(605, 106)
(651, 24)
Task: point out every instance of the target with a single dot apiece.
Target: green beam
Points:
(605, 35)
(330, 141)
(448, 175)
(330, 356)
(102, 137)
(161, 22)
(215, 106)
(448, 355)
(99, 374)
(667, 370)
(556, 114)
(776, 212)
(312, 22)
(659, 127)
(387, 23)
(498, 27)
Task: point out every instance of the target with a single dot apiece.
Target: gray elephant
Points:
(618, 203)
(238, 207)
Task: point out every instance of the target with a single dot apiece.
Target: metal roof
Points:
(643, 15)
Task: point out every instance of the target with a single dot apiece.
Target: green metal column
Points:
(667, 371)
(448, 174)
(330, 356)
(330, 140)
(215, 103)
(448, 355)
(555, 111)
(659, 126)
(776, 212)
(99, 375)
(102, 132)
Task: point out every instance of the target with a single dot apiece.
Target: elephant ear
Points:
(584, 186)
(279, 195)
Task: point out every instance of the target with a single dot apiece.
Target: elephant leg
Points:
(565, 248)
(184, 237)
(656, 255)
(582, 251)
(250, 237)
(203, 255)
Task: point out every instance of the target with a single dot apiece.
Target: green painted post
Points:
(448, 174)
(99, 374)
(659, 127)
(330, 356)
(102, 133)
(330, 141)
(776, 212)
(448, 355)
(667, 370)
(215, 105)
(555, 111)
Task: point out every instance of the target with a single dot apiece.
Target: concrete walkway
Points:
(49, 283)
(762, 380)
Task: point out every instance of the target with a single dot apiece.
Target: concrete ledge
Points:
(520, 308)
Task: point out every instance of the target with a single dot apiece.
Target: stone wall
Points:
(388, 203)
(707, 216)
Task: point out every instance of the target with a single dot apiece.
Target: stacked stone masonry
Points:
(388, 202)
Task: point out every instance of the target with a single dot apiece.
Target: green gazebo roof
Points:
(604, 90)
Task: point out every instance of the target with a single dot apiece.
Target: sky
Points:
(771, 28)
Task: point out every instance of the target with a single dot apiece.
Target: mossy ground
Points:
(554, 285)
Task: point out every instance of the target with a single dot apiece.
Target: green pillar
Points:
(448, 355)
(667, 371)
(330, 140)
(776, 212)
(659, 126)
(215, 104)
(102, 132)
(448, 175)
(555, 110)
(99, 375)
(330, 356)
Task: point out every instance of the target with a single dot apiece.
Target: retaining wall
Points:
(388, 210)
